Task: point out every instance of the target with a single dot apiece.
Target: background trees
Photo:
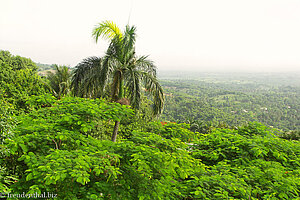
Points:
(217, 98)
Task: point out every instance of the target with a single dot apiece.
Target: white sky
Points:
(260, 35)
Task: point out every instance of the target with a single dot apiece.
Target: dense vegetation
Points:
(57, 148)
(19, 80)
(56, 140)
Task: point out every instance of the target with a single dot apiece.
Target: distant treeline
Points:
(233, 101)
(43, 67)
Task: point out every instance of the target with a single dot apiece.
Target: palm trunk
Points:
(121, 89)
(115, 132)
(120, 96)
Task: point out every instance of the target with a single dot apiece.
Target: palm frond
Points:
(154, 88)
(133, 85)
(83, 70)
(59, 81)
(89, 86)
(107, 30)
(128, 43)
(142, 63)
(108, 65)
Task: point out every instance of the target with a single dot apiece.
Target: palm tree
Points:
(59, 81)
(120, 72)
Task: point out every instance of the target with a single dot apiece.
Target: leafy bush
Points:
(56, 148)
(52, 146)
(172, 130)
(52, 152)
(246, 163)
(7, 123)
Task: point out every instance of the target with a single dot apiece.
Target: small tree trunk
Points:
(121, 89)
(115, 132)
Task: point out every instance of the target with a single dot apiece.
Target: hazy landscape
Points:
(233, 98)
(150, 100)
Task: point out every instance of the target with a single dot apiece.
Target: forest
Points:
(233, 99)
(114, 128)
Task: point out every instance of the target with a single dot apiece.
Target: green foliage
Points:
(7, 119)
(108, 30)
(40, 101)
(9, 62)
(60, 81)
(140, 120)
(255, 128)
(152, 167)
(19, 80)
(172, 130)
(52, 152)
(53, 146)
(7, 124)
(242, 165)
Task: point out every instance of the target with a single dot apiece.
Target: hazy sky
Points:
(261, 35)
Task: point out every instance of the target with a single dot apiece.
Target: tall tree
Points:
(120, 71)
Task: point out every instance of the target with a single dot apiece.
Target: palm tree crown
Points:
(120, 71)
